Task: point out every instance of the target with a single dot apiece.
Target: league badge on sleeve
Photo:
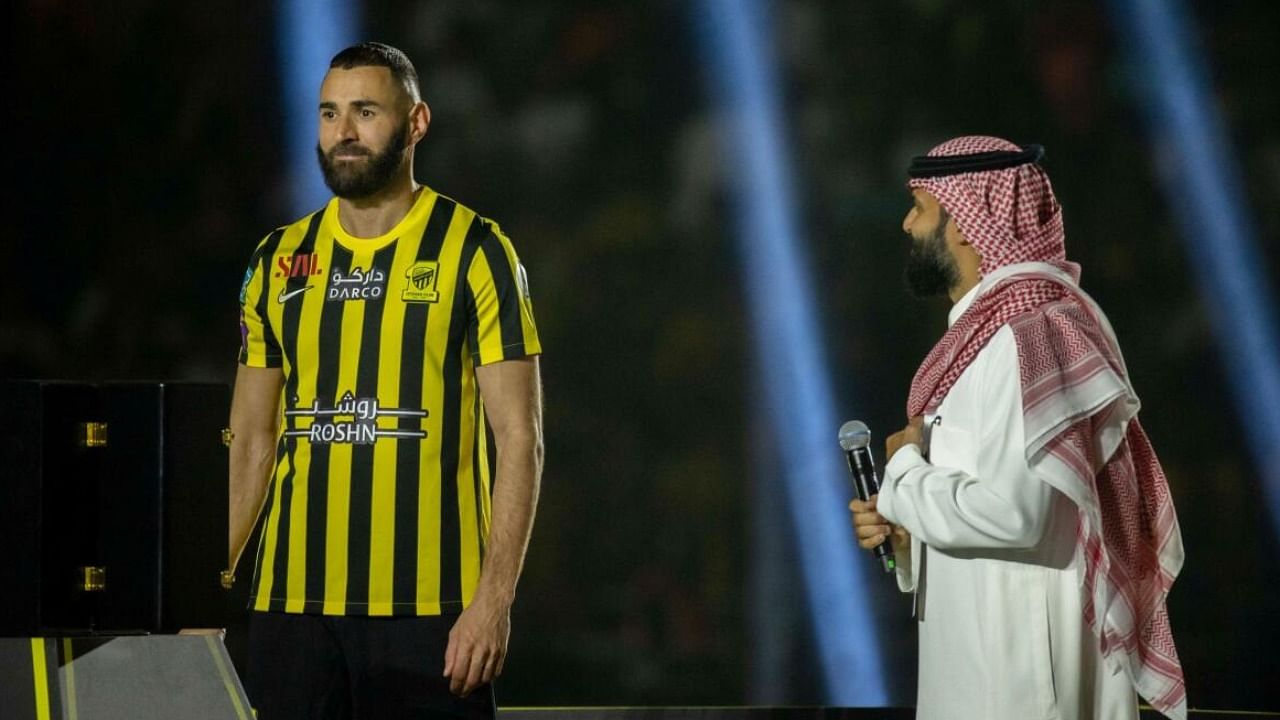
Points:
(244, 285)
(522, 279)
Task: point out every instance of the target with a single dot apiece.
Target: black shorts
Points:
(315, 667)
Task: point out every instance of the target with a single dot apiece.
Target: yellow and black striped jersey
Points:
(379, 503)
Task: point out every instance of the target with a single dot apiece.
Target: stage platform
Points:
(163, 677)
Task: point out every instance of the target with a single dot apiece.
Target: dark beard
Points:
(352, 183)
(930, 268)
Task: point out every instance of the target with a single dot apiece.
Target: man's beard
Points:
(930, 268)
(360, 179)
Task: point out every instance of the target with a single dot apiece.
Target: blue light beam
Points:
(789, 348)
(310, 33)
(1202, 184)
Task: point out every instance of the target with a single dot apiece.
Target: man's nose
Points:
(907, 220)
(347, 129)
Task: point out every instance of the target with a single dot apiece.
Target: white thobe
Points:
(993, 563)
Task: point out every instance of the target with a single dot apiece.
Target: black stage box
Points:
(114, 506)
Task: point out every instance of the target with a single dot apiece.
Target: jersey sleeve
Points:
(258, 345)
(501, 325)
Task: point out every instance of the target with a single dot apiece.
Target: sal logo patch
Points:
(420, 283)
(357, 284)
(299, 265)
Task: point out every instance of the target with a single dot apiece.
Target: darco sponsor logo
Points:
(357, 285)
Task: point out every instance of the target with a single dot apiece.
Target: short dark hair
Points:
(376, 54)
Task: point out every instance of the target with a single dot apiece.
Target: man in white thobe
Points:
(1011, 496)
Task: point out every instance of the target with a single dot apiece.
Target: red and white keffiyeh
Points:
(1079, 409)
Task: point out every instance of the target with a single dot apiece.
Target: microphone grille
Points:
(854, 435)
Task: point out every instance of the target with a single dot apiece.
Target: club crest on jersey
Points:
(357, 284)
(420, 282)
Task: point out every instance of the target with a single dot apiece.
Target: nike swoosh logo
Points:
(286, 295)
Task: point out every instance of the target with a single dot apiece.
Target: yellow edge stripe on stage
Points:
(41, 676)
(226, 678)
(69, 684)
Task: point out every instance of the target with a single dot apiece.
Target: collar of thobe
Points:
(963, 304)
(999, 275)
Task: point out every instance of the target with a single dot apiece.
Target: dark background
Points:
(146, 146)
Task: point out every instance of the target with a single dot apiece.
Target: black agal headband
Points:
(927, 166)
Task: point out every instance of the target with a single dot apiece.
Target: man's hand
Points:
(477, 646)
(911, 434)
(871, 528)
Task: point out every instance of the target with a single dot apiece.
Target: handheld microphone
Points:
(855, 440)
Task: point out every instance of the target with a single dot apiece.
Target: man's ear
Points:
(952, 232)
(960, 241)
(419, 120)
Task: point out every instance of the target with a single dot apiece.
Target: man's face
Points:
(931, 267)
(364, 130)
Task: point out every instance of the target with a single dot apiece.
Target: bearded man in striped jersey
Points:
(377, 336)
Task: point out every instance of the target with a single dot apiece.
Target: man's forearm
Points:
(251, 462)
(515, 500)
